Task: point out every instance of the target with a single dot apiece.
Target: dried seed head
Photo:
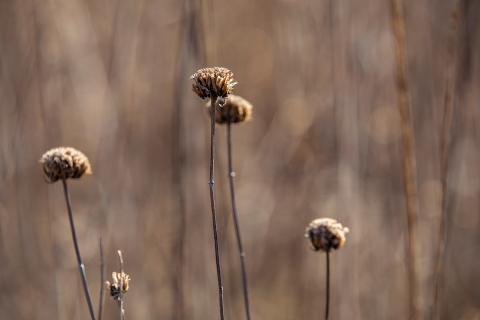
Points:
(326, 234)
(64, 163)
(213, 82)
(234, 110)
(119, 285)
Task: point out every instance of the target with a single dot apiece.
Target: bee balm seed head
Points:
(326, 234)
(213, 82)
(64, 163)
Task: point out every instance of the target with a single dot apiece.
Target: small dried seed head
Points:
(213, 82)
(326, 234)
(119, 285)
(64, 163)
(234, 110)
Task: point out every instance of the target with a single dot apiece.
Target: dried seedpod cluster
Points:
(213, 82)
(326, 234)
(119, 285)
(235, 109)
(217, 84)
(64, 163)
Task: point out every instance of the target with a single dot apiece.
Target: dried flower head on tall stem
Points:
(119, 286)
(64, 163)
(61, 164)
(215, 83)
(326, 234)
(235, 110)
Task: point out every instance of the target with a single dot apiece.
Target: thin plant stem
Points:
(122, 309)
(241, 252)
(189, 50)
(121, 302)
(327, 296)
(408, 158)
(444, 154)
(102, 280)
(81, 266)
(211, 184)
(178, 164)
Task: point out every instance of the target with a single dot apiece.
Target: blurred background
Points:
(111, 78)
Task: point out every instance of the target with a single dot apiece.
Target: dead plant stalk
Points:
(408, 146)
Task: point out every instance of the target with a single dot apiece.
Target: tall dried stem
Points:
(121, 302)
(81, 266)
(327, 289)
(408, 145)
(177, 164)
(241, 252)
(211, 184)
(190, 51)
(450, 84)
(102, 281)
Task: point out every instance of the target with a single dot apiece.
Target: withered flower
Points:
(235, 110)
(213, 82)
(64, 163)
(119, 285)
(326, 234)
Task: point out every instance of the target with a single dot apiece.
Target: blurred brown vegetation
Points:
(110, 77)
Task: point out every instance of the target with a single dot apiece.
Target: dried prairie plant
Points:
(408, 146)
(102, 279)
(235, 110)
(326, 234)
(119, 286)
(61, 164)
(191, 49)
(446, 132)
(215, 83)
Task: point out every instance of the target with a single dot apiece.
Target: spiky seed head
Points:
(120, 284)
(64, 163)
(213, 82)
(326, 234)
(235, 110)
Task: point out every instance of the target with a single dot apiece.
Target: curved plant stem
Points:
(77, 251)
(327, 297)
(447, 127)
(102, 280)
(211, 184)
(121, 302)
(231, 176)
(408, 157)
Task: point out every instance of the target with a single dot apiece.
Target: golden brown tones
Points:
(120, 284)
(326, 234)
(235, 110)
(213, 82)
(64, 163)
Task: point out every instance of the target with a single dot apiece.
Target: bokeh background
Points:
(111, 78)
